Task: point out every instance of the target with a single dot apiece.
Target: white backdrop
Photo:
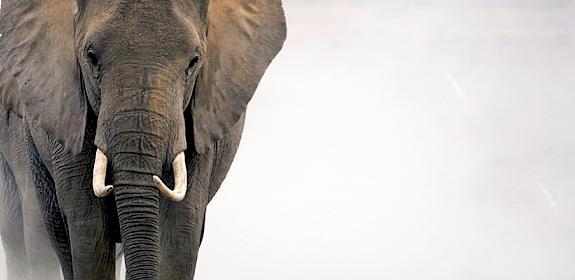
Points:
(406, 140)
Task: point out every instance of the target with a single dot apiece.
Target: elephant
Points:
(120, 101)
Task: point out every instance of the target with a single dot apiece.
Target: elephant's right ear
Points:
(37, 48)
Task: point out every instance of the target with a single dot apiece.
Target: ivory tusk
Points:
(99, 175)
(180, 180)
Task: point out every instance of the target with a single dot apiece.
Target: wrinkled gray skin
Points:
(142, 81)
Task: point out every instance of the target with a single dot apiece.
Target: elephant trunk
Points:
(137, 149)
(138, 212)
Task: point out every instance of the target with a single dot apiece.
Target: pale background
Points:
(406, 140)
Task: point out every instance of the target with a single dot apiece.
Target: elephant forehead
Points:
(143, 28)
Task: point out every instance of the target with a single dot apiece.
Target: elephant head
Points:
(161, 77)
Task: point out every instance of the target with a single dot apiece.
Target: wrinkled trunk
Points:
(138, 152)
(138, 212)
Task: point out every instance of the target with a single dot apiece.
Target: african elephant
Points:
(122, 99)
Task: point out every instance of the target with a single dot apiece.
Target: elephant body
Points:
(117, 100)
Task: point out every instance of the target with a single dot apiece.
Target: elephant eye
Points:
(95, 62)
(193, 65)
(93, 59)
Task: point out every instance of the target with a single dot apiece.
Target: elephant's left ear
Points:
(243, 38)
(38, 52)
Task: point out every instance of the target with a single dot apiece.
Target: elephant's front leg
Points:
(11, 226)
(182, 225)
(42, 259)
(85, 215)
(181, 234)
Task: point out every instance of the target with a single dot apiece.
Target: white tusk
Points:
(99, 175)
(180, 180)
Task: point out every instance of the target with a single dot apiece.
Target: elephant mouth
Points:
(180, 178)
